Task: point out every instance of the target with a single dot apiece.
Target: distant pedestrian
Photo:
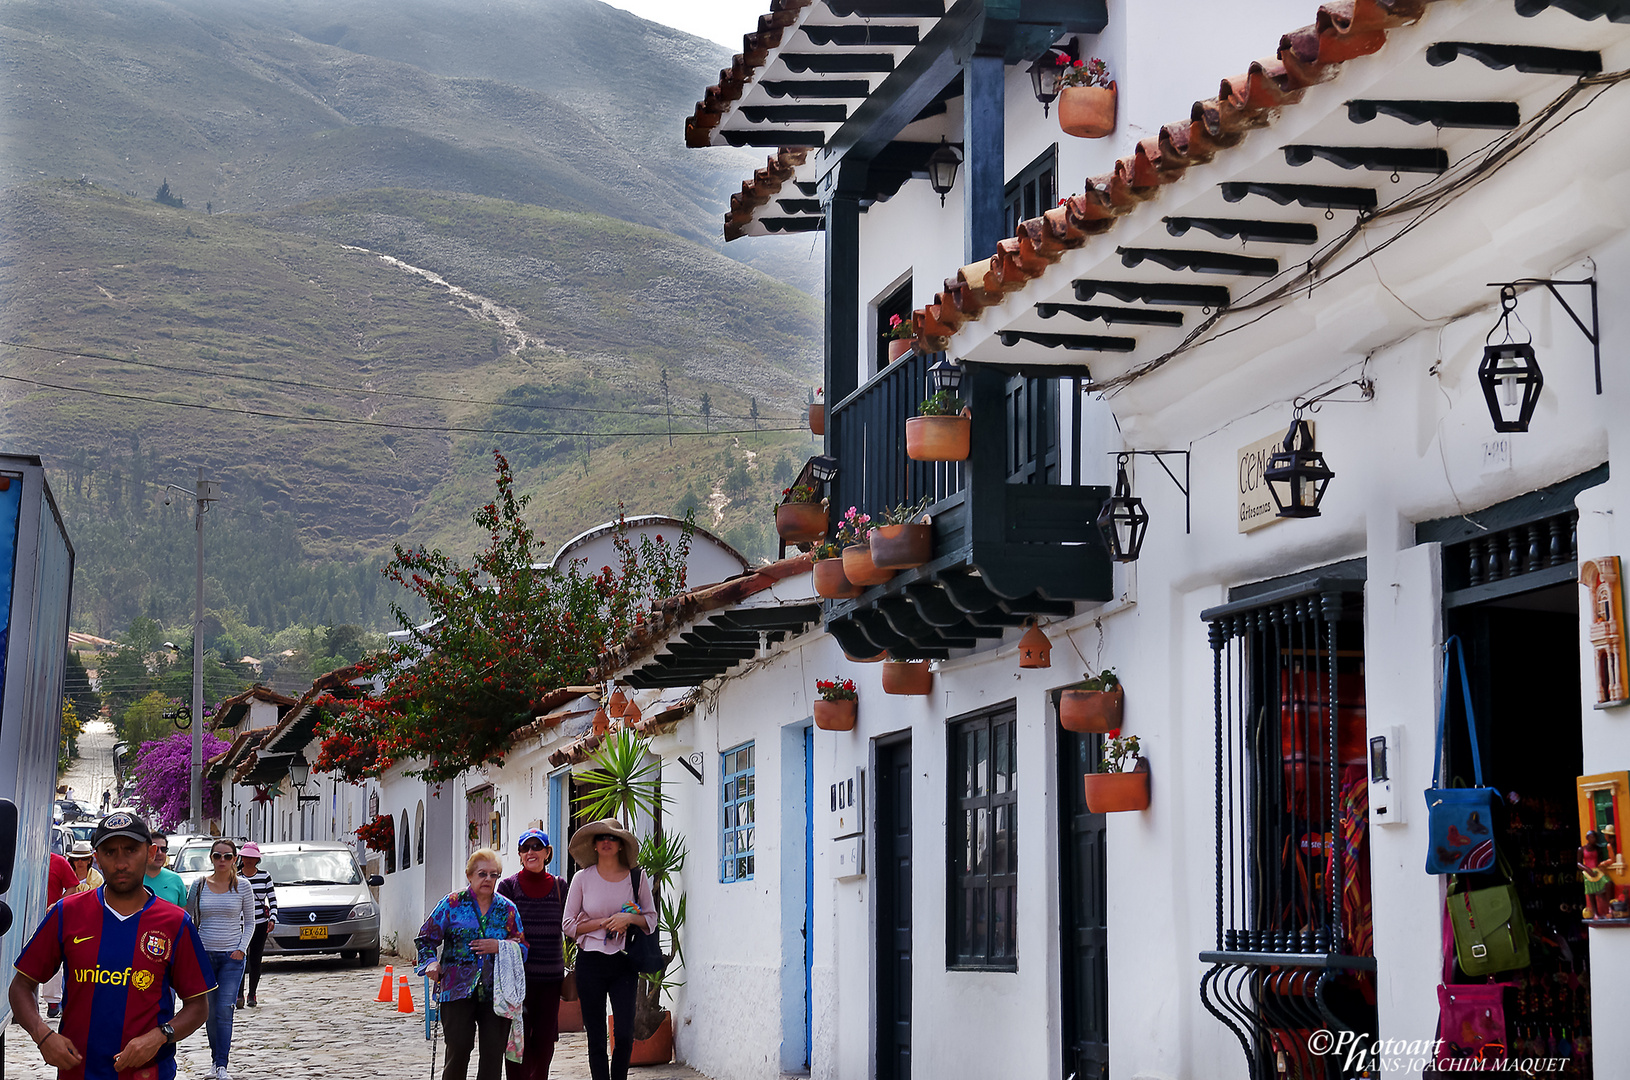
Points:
(600, 907)
(469, 927)
(540, 897)
(119, 945)
(223, 905)
(161, 881)
(60, 880)
(81, 857)
(265, 915)
(107, 800)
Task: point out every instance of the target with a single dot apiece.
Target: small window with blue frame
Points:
(737, 789)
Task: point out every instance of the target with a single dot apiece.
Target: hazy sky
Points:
(724, 21)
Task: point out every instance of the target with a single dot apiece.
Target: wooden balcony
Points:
(1010, 541)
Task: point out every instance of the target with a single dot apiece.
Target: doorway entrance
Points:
(893, 945)
(1083, 900)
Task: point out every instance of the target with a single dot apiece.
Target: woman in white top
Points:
(601, 905)
(222, 903)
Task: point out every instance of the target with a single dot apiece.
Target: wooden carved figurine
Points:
(1612, 668)
(1599, 889)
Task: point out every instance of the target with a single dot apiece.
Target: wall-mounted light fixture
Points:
(1047, 72)
(942, 167)
(1297, 474)
(823, 468)
(1510, 372)
(945, 376)
(1122, 521)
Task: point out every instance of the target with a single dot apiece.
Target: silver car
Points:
(323, 902)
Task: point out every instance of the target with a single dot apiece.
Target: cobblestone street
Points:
(319, 1018)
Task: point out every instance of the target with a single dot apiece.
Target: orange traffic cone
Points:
(404, 999)
(385, 985)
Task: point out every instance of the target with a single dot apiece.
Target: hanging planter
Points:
(817, 418)
(800, 519)
(1086, 104)
(1092, 706)
(902, 546)
(617, 704)
(831, 582)
(1113, 792)
(835, 711)
(860, 569)
(941, 430)
(907, 678)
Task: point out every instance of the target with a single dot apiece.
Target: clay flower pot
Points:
(1087, 112)
(835, 715)
(831, 583)
(859, 568)
(800, 523)
(899, 347)
(882, 654)
(817, 418)
(900, 547)
(1111, 792)
(1091, 711)
(938, 438)
(909, 678)
(657, 1050)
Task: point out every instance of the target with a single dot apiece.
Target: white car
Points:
(323, 901)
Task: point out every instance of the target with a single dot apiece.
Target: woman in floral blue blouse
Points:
(468, 926)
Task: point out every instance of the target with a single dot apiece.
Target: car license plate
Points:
(313, 933)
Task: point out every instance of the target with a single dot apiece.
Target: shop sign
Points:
(1256, 507)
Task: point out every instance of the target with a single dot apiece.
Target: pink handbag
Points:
(1471, 1016)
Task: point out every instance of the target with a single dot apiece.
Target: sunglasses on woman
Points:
(603, 837)
(221, 856)
(531, 845)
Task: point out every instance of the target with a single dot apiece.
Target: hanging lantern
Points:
(1122, 521)
(299, 771)
(946, 376)
(942, 167)
(1035, 651)
(1510, 372)
(617, 704)
(1296, 473)
(1047, 74)
(822, 468)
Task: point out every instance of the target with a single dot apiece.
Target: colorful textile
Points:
(120, 974)
(453, 927)
(509, 995)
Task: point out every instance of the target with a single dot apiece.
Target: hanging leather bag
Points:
(1459, 821)
(1490, 932)
(642, 945)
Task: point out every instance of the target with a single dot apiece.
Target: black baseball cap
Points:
(121, 824)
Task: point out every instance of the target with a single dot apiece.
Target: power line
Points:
(270, 381)
(367, 423)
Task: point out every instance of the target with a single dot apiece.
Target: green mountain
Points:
(409, 237)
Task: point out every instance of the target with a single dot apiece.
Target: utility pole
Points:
(667, 407)
(206, 492)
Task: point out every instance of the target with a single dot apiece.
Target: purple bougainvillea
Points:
(163, 773)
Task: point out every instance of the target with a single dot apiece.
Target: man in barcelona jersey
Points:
(123, 951)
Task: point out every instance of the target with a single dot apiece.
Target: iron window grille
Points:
(738, 794)
(983, 836)
(1033, 192)
(1293, 951)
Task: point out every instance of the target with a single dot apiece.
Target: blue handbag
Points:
(1459, 821)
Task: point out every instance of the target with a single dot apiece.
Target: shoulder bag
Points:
(1459, 821)
(1490, 932)
(642, 945)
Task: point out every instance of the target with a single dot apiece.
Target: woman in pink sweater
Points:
(604, 900)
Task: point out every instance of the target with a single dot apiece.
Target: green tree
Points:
(166, 196)
(87, 700)
(68, 735)
(145, 722)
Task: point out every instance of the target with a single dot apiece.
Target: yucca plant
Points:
(625, 782)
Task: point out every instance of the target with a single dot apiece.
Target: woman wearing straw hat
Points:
(601, 905)
(79, 857)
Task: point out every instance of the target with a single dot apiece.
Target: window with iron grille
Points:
(737, 790)
(1293, 942)
(1033, 192)
(984, 833)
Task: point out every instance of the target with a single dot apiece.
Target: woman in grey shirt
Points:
(222, 903)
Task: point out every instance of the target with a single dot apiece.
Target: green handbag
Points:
(1490, 932)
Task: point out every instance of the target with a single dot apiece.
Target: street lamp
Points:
(942, 167)
(206, 492)
(1297, 474)
(300, 776)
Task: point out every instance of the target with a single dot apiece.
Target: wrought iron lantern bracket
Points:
(1593, 333)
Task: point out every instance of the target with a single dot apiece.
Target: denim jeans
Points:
(222, 1000)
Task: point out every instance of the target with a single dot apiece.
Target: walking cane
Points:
(432, 1020)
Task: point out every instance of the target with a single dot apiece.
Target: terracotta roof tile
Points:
(764, 185)
(756, 48)
(1341, 31)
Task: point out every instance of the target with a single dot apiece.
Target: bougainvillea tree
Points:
(505, 629)
(163, 774)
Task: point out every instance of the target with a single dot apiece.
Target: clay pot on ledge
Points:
(901, 547)
(835, 715)
(657, 1050)
(1112, 792)
(800, 523)
(907, 678)
(1087, 112)
(1090, 711)
(831, 583)
(817, 418)
(859, 568)
(939, 438)
(899, 347)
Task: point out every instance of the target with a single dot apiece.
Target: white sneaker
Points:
(221, 1073)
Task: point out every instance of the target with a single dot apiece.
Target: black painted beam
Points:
(887, 9)
(933, 606)
(1201, 262)
(1312, 196)
(869, 34)
(838, 63)
(773, 138)
(1266, 232)
(984, 142)
(1533, 59)
(1079, 342)
(1490, 115)
(902, 616)
(782, 617)
(1425, 159)
(800, 206)
(795, 114)
(793, 224)
(1215, 296)
(1613, 10)
(1112, 315)
(816, 88)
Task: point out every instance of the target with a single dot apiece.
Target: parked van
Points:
(323, 901)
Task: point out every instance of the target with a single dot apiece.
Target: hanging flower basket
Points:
(859, 568)
(899, 347)
(1087, 112)
(800, 522)
(817, 418)
(835, 715)
(907, 678)
(831, 583)
(901, 547)
(1113, 792)
(379, 834)
(939, 438)
(1090, 711)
